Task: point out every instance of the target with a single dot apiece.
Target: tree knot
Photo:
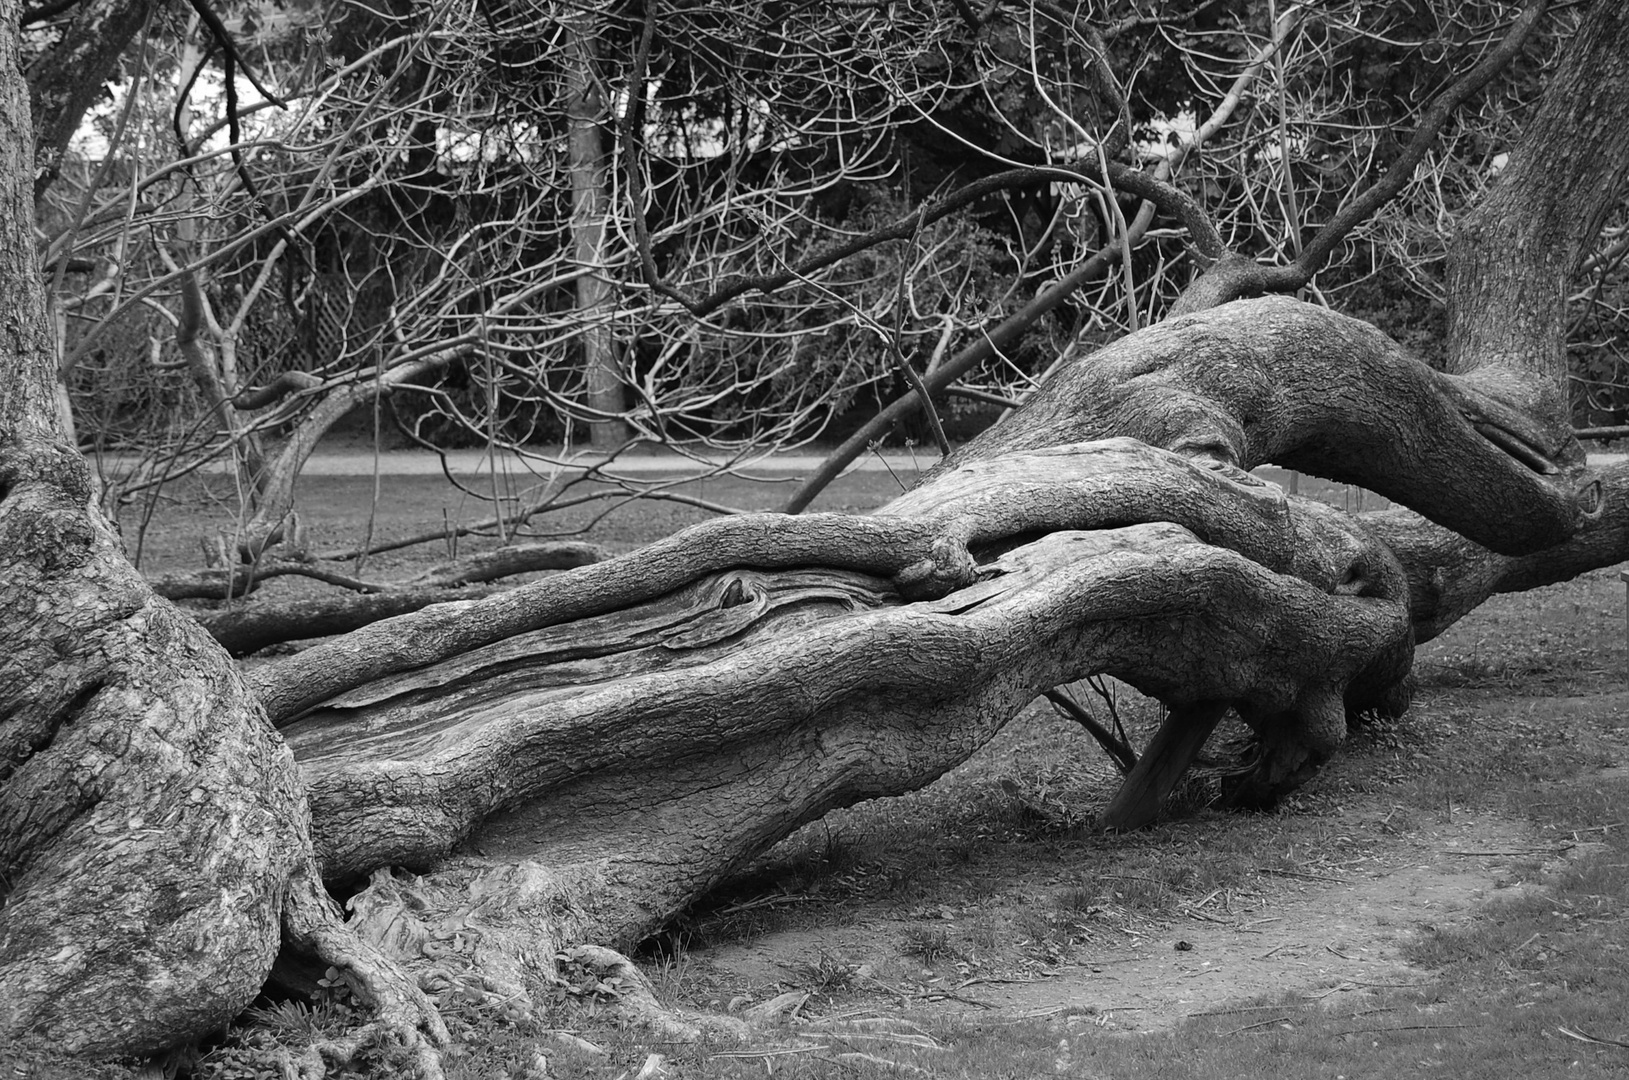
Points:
(948, 566)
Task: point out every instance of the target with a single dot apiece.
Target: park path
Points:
(360, 460)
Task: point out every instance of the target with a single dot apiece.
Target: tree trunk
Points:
(1513, 254)
(151, 823)
(66, 79)
(208, 353)
(244, 629)
(641, 727)
(585, 113)
(273, 497)
(509, 766)
(154, 834)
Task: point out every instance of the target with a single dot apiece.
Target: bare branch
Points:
(1233, 278)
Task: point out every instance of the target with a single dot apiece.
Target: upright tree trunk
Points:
(154, 834)
(150, 821)
(209, 356)
(585, 114)
(68, 77)
(1510, 261)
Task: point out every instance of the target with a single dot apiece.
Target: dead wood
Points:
(247, 628)
(240, 580)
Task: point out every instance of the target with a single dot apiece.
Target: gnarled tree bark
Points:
(155, 846)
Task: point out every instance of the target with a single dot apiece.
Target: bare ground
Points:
(1257, 916)
(1321, 937)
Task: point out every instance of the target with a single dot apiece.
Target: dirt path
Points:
(1316, 938)
(1322, 938)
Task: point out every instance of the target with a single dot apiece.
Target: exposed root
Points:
(637, 1000)
(476, 932)
(852, 1042)
(498, 931)
(312, 923)
(312, 1062)
(779, 1008)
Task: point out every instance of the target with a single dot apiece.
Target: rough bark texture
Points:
(756, 688)
(150, 820)
(1510, 261)
(1450, 576)
(1275, 380)
(641, 744)
(154, 833)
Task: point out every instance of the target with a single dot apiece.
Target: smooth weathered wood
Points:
(241, 579)
(246, 629)
(921, 540)
(1276, 381)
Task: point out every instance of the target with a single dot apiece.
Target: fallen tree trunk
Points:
(1449, 576)
(642, 744)
(1277, 381)
(628, 735)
